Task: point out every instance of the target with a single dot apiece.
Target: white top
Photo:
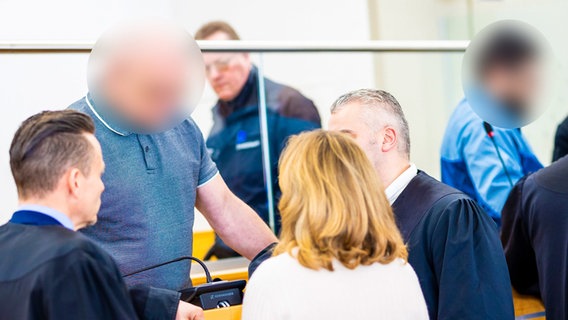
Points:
(399, 184)
(281, 288)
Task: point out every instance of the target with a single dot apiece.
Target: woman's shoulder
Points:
(281, 262)
(398, 267)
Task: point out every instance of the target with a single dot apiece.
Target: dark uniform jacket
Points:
(235, 139)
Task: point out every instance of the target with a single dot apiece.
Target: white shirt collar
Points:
(399, 184)
(59, 216)
(120, 132)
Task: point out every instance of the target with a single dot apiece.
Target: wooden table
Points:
(526, 305)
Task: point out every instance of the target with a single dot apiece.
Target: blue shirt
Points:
(147, 209)
(60, 217)
(470, 162)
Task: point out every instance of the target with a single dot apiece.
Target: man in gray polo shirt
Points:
(154, 180)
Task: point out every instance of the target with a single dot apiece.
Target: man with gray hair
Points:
(453, 245)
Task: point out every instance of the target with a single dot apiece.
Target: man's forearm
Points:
(244, 231)
(235, 222)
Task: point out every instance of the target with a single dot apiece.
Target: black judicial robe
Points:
(50, 272)
(535, 237)
(455, 250)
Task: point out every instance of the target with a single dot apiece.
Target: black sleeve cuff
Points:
(260, 257)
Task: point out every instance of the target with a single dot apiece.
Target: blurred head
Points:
(509, 69)
(375, 119)
(57, 161)
(333, 206)
(227, 72)
(146, 72)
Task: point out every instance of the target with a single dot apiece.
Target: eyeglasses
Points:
(221, 65)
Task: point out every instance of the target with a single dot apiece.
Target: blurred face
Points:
(350, 120)
(515, 88)
(147, 87)
(226, 72)
(90, 187)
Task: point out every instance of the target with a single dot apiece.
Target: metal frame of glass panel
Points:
(439, 46)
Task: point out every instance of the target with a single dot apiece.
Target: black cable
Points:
(491, 134)
(201, 263)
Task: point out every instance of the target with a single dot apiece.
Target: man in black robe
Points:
(535, 237)
(453, 245)
(47, 270)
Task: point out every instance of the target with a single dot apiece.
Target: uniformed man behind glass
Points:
(47, 270)
(234, 139)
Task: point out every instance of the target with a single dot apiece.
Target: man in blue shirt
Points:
(470, 161)
(154, 176)
(53, 272)
(476, 158)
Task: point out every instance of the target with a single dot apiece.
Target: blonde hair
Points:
(333, 205)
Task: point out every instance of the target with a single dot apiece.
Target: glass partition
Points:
(427, 85)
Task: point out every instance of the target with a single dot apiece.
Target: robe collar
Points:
(41, 215)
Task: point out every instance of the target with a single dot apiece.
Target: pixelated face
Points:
(149, 75)
(507, 74)
(517, 88)
(148, 88)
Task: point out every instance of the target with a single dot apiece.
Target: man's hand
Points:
(187, 311)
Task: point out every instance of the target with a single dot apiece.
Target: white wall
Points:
(31, 83)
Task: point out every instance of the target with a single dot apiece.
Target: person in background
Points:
(535, 237)
(485, 165)
(49, 271)
(338, 238)
(561, 141)
(235, 139)
(453, 245)
(154, 180)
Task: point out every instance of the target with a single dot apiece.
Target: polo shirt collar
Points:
(98, 111)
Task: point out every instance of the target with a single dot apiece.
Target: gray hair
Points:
(375, 101)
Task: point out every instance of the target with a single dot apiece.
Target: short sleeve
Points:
(207, 169)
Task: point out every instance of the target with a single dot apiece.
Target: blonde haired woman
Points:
(340, 254)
